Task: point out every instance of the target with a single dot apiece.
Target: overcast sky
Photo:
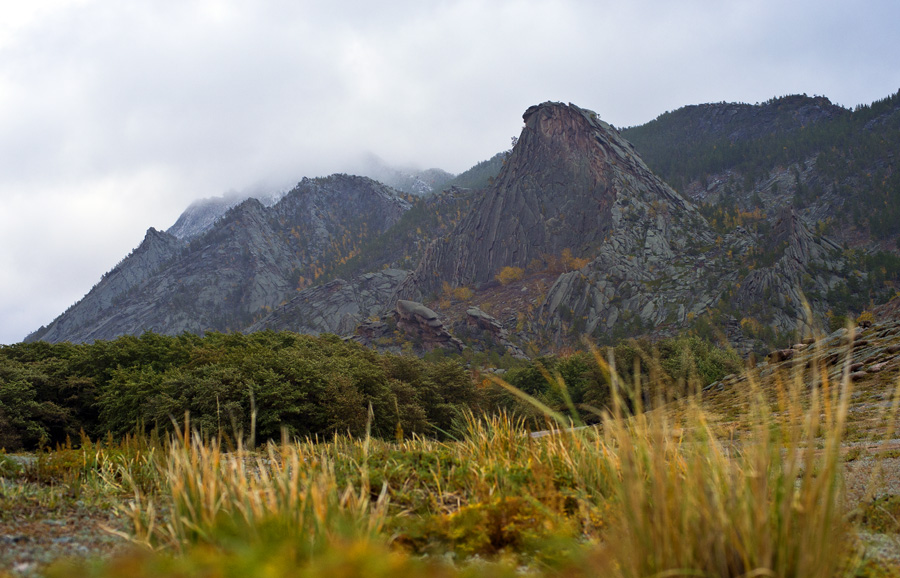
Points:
(115, 115)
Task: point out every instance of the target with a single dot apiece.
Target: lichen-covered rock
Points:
(878, 367)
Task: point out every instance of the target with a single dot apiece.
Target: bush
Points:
(865, 319)
(508, 275)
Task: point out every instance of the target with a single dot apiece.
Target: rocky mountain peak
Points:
(561, 189)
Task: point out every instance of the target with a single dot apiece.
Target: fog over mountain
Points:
(104, 135)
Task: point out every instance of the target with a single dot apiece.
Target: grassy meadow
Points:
(654, 486)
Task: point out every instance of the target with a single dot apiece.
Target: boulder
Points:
(780, 355)
(424, 327)
(878, 367)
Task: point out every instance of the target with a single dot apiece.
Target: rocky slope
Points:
(337, 306)
(250, 261)
(102, 302)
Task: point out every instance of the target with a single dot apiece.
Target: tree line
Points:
(263, 385)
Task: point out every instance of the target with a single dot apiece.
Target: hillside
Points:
(833, 165)
(568, 234)
(244, 265)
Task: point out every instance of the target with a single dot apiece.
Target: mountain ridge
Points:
(620, 251)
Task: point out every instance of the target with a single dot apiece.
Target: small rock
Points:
(14, 539)
(780, 355)
(856, 366)
(878, 367)
(799, 346)
(857, 375)
(893, 348)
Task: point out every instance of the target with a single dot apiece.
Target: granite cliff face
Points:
(250, 261)
(647, 280)
(337, 307)
(555, 192)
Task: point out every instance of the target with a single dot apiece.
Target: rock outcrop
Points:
(864, 353)
(555, 192)
(424, 327)
(806, 269)
(482, 322)
(573, 184)
(336, 307)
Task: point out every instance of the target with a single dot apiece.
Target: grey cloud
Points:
(114, 116)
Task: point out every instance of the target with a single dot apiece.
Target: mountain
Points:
(571, 233)
(248, 262)
(643, 258)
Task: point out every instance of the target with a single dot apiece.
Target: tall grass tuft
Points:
(287, 493)
(687, 502)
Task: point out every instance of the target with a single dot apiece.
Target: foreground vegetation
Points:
(668, 490)
(256, 385)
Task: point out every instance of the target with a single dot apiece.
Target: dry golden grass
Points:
(686, 487)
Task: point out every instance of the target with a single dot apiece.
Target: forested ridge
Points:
(853, 150)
